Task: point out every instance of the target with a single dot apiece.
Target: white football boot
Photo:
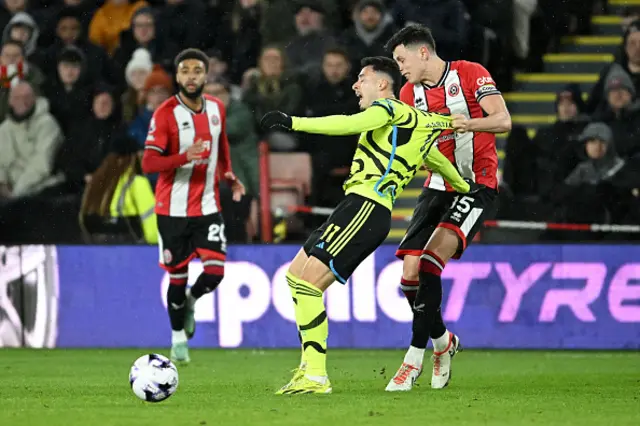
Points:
(404, 378)
(442, 363)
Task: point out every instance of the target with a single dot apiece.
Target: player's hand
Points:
(474, 187)
(237, 188)
(276, 120)
(460, 123)
(195, 151)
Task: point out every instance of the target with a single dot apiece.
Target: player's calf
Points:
(176, 306)
(207, 282)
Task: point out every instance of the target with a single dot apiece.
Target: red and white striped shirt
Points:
(459, 91)
(187, 188)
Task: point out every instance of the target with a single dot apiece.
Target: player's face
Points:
(191, 77)
(412, 62)
(367, 87)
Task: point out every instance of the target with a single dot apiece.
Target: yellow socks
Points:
(292, 282)
(314, 327)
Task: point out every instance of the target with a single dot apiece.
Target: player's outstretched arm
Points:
(439, 164)
(370, 119)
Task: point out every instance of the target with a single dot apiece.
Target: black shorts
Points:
(463, 214)
(180, 239)
(354, 230)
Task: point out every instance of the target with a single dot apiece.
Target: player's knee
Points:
(178, 277)
(410, 268)
(297, 264)
(409, 289)
(431, 263)
(210, 281)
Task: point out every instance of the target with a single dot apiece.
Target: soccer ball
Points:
(153, 378)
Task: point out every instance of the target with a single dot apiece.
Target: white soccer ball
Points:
(153, 378)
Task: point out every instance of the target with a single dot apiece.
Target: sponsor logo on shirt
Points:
(485, 80)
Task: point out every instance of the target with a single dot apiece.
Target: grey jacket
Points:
(27, 151)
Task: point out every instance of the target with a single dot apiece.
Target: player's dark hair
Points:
(338, 50)
(385, 65)
(192, 53)
(412, 34)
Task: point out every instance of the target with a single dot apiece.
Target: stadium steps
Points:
(616, 7)
(532, 104)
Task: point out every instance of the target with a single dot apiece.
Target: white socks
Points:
(178, 337)
(441, 343)
(320, 379)
(414, 356)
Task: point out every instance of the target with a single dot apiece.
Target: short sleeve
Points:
(478, 79)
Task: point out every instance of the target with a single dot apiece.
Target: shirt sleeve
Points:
(372, 118)
(224, 154)
(156, 158)
(158, 133)
(480, 81)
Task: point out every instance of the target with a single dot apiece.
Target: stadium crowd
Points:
(80, 80)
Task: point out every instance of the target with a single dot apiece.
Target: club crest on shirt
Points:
(168, 257)
(152, 125)
(454, 89)
(215, 120)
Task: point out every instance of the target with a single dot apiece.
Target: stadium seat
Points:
(290, 179)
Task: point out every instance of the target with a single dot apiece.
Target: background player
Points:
(444, 222)
(188, 146)
(395, 141)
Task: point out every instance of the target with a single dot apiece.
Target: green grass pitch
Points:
(228, 387)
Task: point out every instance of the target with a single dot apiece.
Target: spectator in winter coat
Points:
(110, 20)
(622, 112)
(136, 73)
(271, 88)
(558, 147)
(69, 32)
(69, 92)
(88, 143)
(24, 29)
(602, 160)
(48, 18)
(13, 68)
(9, 8)
(305, 50)
(144, 34)
(330, 93)
(158, 87)
(629, 61)
(29, 139)
(372, 27)
(585, 195)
